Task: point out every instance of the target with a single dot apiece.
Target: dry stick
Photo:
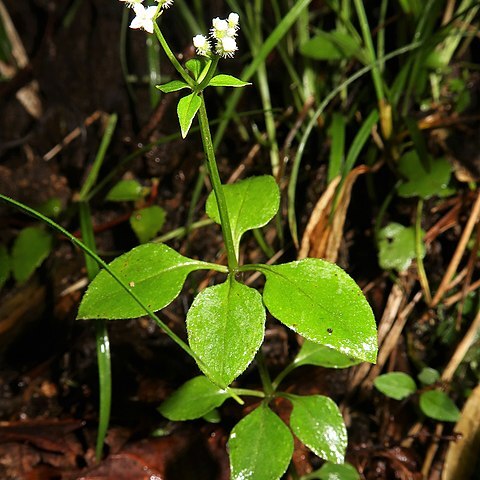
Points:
(470, 267)
(448, 302)
(28, 96)
(457, 256)
(447, 375)
(391, 341)
(72, 136)
(394, 304)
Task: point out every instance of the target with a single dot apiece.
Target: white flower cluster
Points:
(223, 33)
(144, 16)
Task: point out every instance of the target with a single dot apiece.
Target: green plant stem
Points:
(279, 378)
(172, 57)
(181, 231)
(422, 276)
(84, 248)
(264, 375)
(217, 186)
(247, 392)
(210, 73)
(367, 38)
(101, 337)
(93, 174)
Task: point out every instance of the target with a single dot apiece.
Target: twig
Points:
(457, 256)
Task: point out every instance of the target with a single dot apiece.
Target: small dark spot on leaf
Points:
(330, 330)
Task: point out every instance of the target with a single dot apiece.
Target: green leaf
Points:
(4, 265)
(261, 446)
(397, 385)
(332, 471)
(428, 376)
(420, 182)
(154, 271)
(439, 406)
(194, 65)
(213, 416)
(227, 81)
(312, 353)
(194, 399)
(173, 86)
(30, 249)
(225, 326)
(186, 110)
(318, 423)
(321, 302)
(147, 222)
(251, 203)
(334, 45)
(397, 247)
(127, 191)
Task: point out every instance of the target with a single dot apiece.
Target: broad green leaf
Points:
(30, 249)
(312, 353)
(173, 86)
(193, 399)
(225, 326)
(251, 203)
(332, 471)
(420, 182)
(155, 272)
(147, 222)
(127, 191)
(397, 247)
(261, 446)
(186, 110)
(428, 376)
(439, 406)
(318, 423)
(334, 45)
(397, 385)
(227, 81)
(321, 302)
(4, 265)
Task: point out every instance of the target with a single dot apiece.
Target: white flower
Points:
(143, 17)
(226, 47)
(201, 43)
(165, 3)
(219, 28)
(233, 20)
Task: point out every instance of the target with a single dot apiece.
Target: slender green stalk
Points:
(93, 174)
(211, 72)
(172, 57)
(367, 38)
(286, 371)
(247, 392)
(422, 276)
(182, 231)
(264, 375)
(101, 336)
(217, 186)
